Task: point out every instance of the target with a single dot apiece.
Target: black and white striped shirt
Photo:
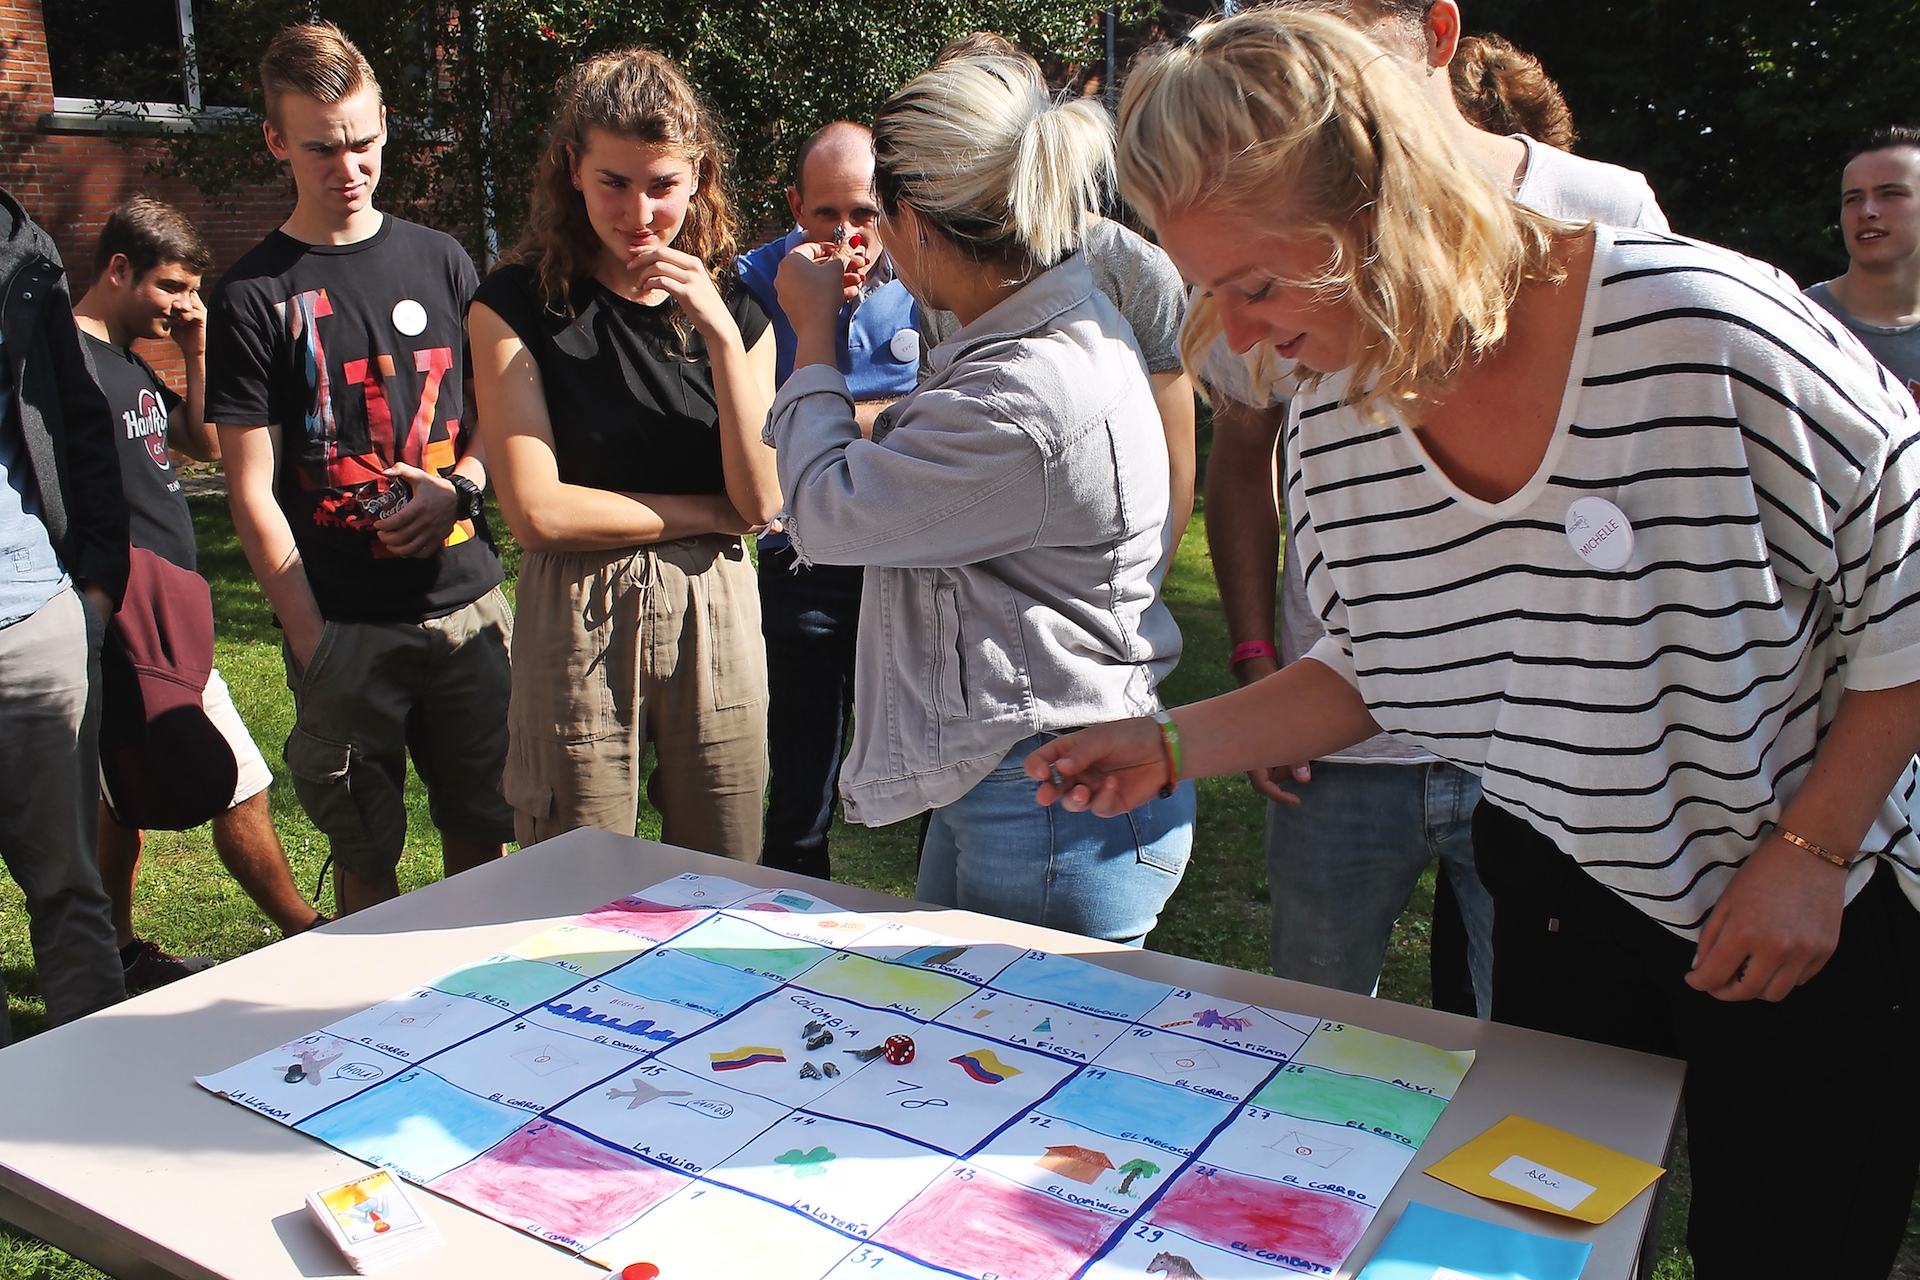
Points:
(1652, 721)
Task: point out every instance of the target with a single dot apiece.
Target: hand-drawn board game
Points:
(730, 1082)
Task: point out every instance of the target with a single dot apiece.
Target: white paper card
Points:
(1556, 1188)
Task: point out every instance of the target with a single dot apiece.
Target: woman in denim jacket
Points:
(1010, 509)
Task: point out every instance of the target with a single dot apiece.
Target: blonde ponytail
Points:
(979, 151)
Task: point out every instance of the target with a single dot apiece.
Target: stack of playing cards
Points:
(373, 1221)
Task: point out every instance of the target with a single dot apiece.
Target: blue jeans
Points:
(811, 622)
(998, 852)
(1343, 861)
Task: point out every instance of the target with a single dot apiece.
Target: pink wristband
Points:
(1250, 649)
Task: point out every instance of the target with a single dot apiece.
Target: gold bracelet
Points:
(1817, 851)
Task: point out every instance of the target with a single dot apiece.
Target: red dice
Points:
(899, 1050)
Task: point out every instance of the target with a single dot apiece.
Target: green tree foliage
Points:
(469, 83)
(1738, 111)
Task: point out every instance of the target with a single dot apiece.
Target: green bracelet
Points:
(1170, 741)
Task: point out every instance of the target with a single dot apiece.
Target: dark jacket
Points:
(59, 408)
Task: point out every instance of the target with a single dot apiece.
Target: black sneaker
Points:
(147, 966)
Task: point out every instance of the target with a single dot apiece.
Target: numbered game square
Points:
(638, 918)
(507, 982)
(689, 981)
(764, 1049)
(695, 890)
(1090, 988)
(671, 1117)
(559, 1185)
(586, 951)
(527, 1065)
(1245, 1027)
(975, 962)
(1078, 1166)
(416, 1124)
(954, 1094)
(1283, 1225)
(1035, 1024)
(419, 1024)
(618, 1018)
(1149, 1251)
(847, 1176)
(979, 1225)
(1332, 1158)
(303, 1077)
(1211, 1070)
(715, 1233)
(742, 944)
(1122, 1105)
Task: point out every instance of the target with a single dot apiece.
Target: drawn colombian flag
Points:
(745, 1056)
(984, 1067)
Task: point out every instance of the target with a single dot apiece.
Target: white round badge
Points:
(409, 317)
(1600, 533)
(906, 346)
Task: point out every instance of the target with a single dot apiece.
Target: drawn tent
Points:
(833, 1095)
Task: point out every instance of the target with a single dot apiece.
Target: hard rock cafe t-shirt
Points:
(141, 402)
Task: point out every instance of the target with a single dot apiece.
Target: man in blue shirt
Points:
(63, 540)
(810, 615)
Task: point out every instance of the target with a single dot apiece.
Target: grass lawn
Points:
(190, 906)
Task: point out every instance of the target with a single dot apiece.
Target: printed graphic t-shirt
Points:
(631, 409)
(357, 353)
(141, 402)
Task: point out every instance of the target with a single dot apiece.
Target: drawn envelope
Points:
(1315, 1151)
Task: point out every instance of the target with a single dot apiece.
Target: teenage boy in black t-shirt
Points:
(335, 362)
(147, 286)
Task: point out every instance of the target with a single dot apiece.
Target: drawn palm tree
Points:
(1134, 1169)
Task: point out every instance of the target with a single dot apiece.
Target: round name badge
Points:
(409, 317)
(906, 346)
(1600, 533)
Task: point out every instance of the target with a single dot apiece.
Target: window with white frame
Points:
(128, 54)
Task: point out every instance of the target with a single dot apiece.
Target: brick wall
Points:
(70, 181)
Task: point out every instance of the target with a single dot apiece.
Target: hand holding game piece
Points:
(899, 1050)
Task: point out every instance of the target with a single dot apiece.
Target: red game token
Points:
(899, 1050)
(640, 1271)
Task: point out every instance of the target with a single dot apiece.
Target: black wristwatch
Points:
(472, 500)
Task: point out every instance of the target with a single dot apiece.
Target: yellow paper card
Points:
(1521, 1161)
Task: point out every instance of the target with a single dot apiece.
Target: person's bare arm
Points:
(1778, 920)
(867, 412)
(187, 427)
(1305, 711)
(1243, 524)
(544, 513)
(742, 380)
(1173, 396)
(250, 454)
(1244, 541)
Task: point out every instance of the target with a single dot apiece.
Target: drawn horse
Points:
(1173, 1267)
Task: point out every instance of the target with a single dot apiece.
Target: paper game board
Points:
(717, 1080)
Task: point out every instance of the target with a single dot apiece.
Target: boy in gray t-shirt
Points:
(1879, 296)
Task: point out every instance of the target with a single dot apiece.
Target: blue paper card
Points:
(1432, 1244)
